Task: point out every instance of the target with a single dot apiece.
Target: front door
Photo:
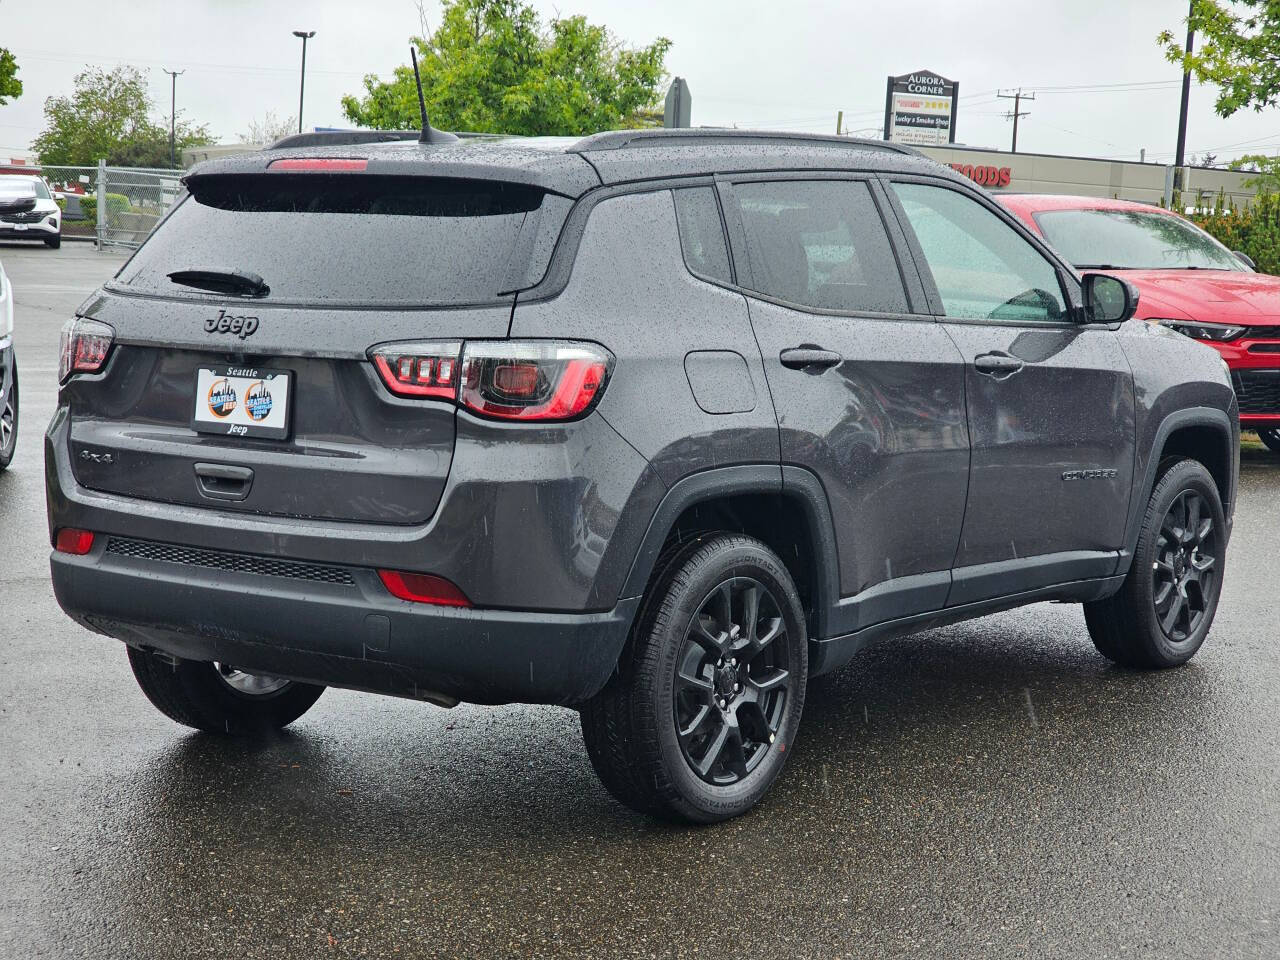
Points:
(869, 396)
(1050, 402)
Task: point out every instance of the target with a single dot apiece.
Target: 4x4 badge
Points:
(226, 323)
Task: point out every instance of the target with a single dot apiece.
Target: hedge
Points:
(116, 203)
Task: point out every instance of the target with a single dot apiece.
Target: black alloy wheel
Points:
(1184, 571)
(731, 682)
(1270, 439)
(1163, 611)
(701, 714)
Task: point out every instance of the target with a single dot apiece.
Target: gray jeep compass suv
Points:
(655, 425)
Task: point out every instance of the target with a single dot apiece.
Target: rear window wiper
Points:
(238, 282)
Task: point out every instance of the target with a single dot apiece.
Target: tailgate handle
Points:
(221, 481)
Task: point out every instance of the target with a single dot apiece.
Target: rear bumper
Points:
(344, 630)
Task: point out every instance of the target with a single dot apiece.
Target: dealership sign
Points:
(920, 109)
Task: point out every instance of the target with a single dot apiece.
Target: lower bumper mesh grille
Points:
(225, 560)
(1257, 391)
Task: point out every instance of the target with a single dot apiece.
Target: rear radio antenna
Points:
(428, 135)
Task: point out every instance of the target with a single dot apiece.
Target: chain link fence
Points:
(118, 206)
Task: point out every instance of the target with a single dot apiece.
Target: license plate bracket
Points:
(243, 402)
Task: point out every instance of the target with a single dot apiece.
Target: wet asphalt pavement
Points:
(993, 789)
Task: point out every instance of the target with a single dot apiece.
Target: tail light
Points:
(419, 369)
(84, 347)
(531, 380)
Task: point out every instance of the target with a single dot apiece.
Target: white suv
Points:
(28, 210)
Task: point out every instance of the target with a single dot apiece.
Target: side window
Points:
(819, 243)
(983, 268)
(702, 233)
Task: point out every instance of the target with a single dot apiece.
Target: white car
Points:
(28, 210)
(8, 375)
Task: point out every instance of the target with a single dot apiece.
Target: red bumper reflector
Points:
(71, 540)
(422, 588)
(321, 164)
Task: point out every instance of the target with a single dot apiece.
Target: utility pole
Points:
(1017, 97)
(173, 111)
(839, 121)
(304, 35)
(1180, 156)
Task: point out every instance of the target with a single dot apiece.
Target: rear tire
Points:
(195, 693)
(696, 723)
(1162, 614)
(1270, 439)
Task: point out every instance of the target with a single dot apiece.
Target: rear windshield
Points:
(343, 239)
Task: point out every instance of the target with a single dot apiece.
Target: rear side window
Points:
(702, 233)
(819, 243)
(346, 239)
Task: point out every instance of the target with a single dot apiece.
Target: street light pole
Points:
(1181, 154)
(305, 35)
(173, 111)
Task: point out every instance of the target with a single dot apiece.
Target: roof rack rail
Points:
(711, 136)
(346, 138)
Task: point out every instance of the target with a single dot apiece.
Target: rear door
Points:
(869, 395)
(1050, 400)
(345, 262)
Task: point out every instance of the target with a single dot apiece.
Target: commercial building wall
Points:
(1048, 173)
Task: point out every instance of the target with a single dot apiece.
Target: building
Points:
(1127, 180)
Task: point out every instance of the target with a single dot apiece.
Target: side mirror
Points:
(1245, 259)
(1108, 299)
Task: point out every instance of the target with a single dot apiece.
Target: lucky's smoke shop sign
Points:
(920, 109)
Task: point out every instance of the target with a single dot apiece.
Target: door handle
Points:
(998, 364)
(808, 357)
(220, 481)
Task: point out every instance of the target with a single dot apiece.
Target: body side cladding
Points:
(828, 655)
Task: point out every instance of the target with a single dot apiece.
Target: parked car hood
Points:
(1223, 296)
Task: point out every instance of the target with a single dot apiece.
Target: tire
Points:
(669, 676)
(197, 694)
(9, 422)
(1163, 612)
(53, 242)
(1270, 439)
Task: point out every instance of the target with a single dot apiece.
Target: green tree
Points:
(493, 67)
(109, 115)
(1239, 51)
(10, 85)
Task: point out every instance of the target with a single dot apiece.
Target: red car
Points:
(1188, 281)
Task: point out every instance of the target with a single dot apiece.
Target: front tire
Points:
(9, 422)
(219, 699)
(1270, 439)
(1162, 614)
(53, 242)
(696, 723)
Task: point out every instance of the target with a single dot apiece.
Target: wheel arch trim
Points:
(1217, 420)
(795, 483)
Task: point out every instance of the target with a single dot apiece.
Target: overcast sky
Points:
(755, 64)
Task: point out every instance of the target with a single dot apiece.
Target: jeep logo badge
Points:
(226, 323)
